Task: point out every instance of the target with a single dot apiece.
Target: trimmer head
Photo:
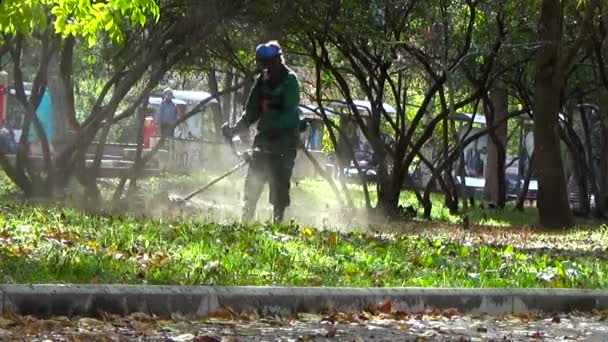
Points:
(245, 158)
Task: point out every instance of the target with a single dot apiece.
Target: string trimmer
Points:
(245, 159)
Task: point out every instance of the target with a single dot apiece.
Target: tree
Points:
(377, 60)
(137, 59)
(552, 63)
(496, 110)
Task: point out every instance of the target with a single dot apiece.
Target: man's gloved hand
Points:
(269, 102)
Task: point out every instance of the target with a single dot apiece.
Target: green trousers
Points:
(272, 162)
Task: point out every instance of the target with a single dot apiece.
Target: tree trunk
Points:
(216, 108)
(602, 199)
(67, 69)
(494, 190)
(61, 93)
(553, 208)
(227, 99)
(388, 195)
(235, 101)
(576, 177)
(427, 149)
(521, 197)
(241, 97)
(589, 128)
(603, 158)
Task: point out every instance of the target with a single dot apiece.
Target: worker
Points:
(167, 115)
(273, 104)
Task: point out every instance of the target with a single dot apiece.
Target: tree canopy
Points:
(76, 17)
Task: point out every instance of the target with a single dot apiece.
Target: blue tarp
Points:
(45, 115)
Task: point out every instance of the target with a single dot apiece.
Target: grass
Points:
(58, 245)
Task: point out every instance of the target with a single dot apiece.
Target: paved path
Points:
(360, 327)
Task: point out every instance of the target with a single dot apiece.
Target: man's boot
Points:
(277, 215)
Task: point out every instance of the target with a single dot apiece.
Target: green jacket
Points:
(274, 107)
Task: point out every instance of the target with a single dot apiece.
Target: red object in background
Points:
(3, 95)
(149, 130)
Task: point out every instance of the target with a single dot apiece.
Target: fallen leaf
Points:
(35, 327)
(341, 317)
(523, 316)
(308, 317)
(207, 338)
(62, 319)
(140, 316)
(90, 322)
(6, 323)
(183, 338)
(429, 333)
(224, 313)
(177, 317)
(537, 335)
(482, 330)
(331, 240)
(365, 316)
(306, 338)
(331, 331)
(276, 322)
(603, 315)
(386, 308)
(331, 318)
(308, 231)
(142, 328)
(94, 245)
(251, 316)
(452, 312)
(95, 280)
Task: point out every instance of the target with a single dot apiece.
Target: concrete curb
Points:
(92, 300)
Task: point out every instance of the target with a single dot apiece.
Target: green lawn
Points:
(56, 244)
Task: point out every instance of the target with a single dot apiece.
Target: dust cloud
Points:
(313, 203)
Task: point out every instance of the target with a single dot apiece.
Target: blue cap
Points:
(268, 50)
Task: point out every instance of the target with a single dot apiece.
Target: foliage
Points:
(62, 245)
(75, 17)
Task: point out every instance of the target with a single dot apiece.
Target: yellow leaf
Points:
(93, 244)
(14, 250)
(331, 241)
(224, 313)
(521, 316)
(159, 257)
(307, 231)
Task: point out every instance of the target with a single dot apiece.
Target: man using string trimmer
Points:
(273, 104)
